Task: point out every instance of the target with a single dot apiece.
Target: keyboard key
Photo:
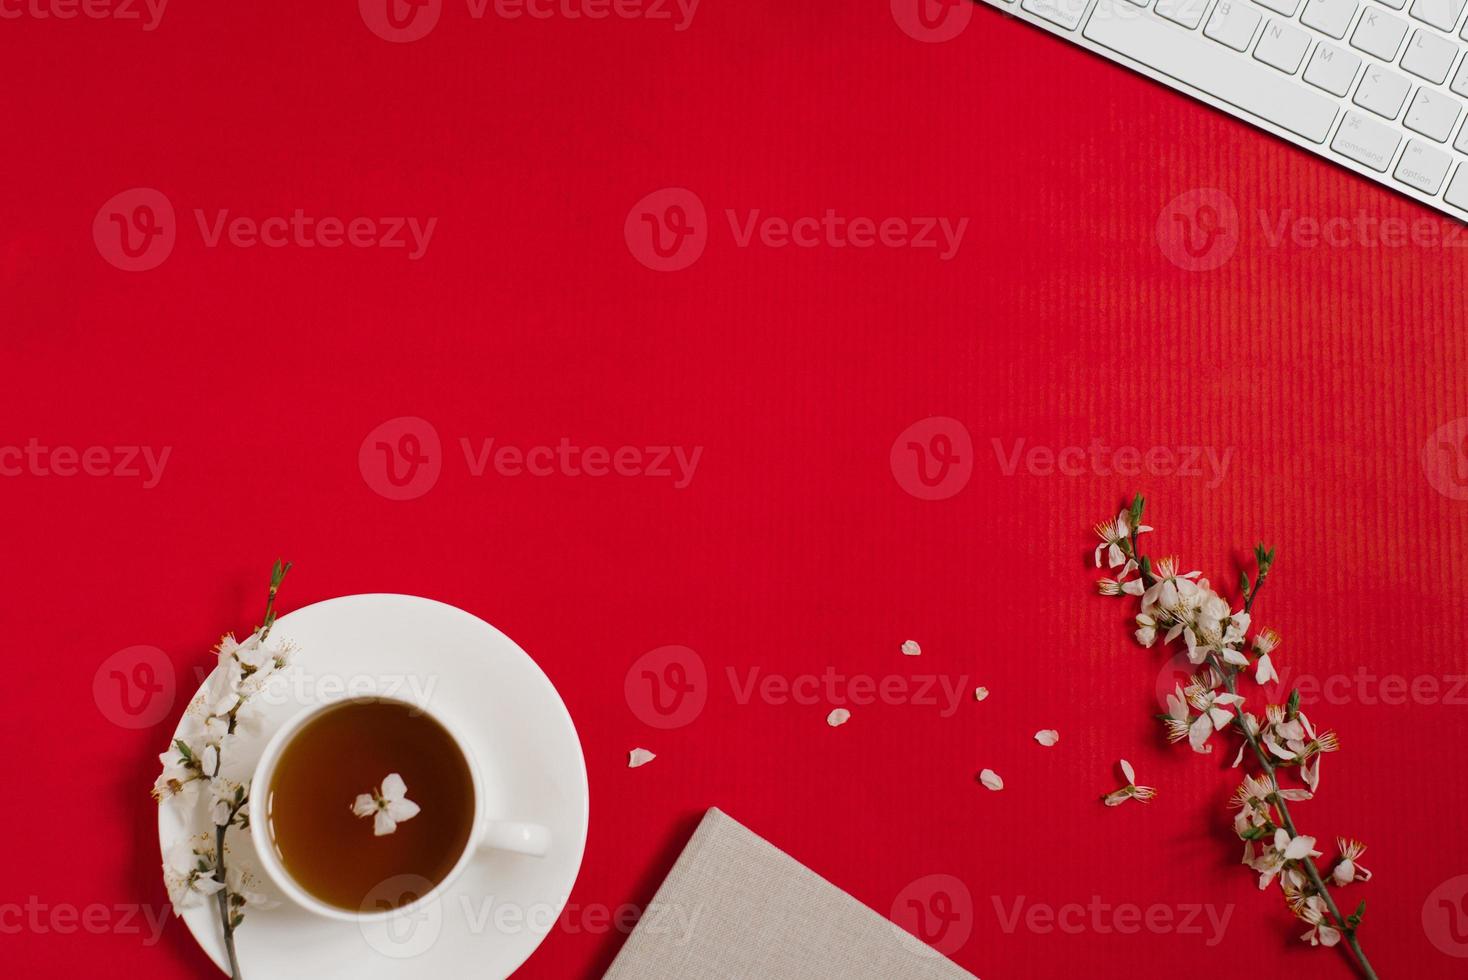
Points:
(1232, 24)
(1062, 13)
(1188, 13)
(1424, 167)
(1442, 14)
(1379, 35)
(1383, 92)
(1366, 141)
(1460, 84)
(1433, 115)
(1332, 69)
(1430, 56)
(1458, 189)
(1332, 16)
(1283, 47)
(1211, 68)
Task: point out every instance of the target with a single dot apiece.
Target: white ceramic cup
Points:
(489, 833)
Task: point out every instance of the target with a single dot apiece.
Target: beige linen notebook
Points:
(736, 907)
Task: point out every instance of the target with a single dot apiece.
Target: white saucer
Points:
(530, 760)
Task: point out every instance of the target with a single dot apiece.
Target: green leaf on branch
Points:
(1292, 708)
(1354, 919)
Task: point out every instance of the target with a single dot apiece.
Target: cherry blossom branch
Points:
(1178, 605)
(228, 917)
(1312, 872)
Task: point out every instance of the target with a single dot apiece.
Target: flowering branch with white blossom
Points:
(195, 871)
(1182, 606)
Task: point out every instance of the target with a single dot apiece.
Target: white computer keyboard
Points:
(1379, 86)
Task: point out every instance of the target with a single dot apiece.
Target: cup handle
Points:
(512, 835)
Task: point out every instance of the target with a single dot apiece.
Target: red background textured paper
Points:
(1325, 372)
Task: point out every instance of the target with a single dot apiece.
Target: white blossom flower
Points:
(1250, 724)
(1110, 586)
(1179, 719)
(388, 806)
(1347, 870)
(188, 872)
(187, 765)
(225, 798)
(1255, 799)
(1131, 790)
(1271, 860)
(1169, 589)
(1213, 716)
(244, 889)
(1146, 633)
(1112, 534)
(1321, 933)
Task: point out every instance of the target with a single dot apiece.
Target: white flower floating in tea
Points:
(388, 806)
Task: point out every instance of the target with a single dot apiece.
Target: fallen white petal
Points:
(1047, 736)
(838, 717)
(991, 779)
(639, 757)
(980, 693)
(911, 649)
(1128, 772)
